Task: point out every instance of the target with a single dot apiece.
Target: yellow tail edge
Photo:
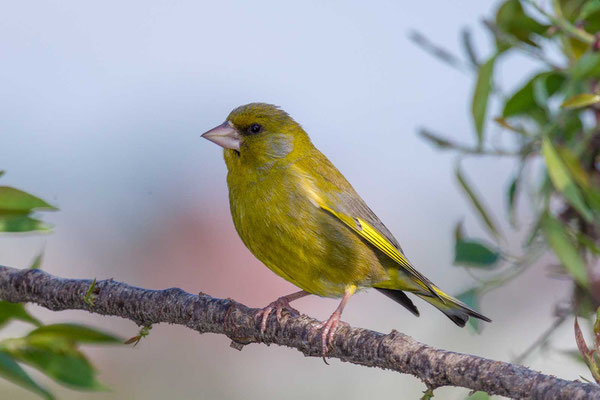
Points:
(453, 308)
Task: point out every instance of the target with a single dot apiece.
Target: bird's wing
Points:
(375, 238)
(339, 199)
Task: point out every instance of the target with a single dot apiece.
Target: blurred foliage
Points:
(51, 349)
(550, 127)
(17, 209)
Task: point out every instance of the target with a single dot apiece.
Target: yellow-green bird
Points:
(298, 215)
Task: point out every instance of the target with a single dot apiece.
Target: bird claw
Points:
(328, 329)
(278, 305)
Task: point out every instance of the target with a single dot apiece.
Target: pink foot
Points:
(278, 305)
(328, 330)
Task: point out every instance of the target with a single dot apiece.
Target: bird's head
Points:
(259, 133)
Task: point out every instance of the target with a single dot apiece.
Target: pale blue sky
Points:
(104, 102)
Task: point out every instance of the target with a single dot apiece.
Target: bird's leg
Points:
(330, 326)
(279, 305)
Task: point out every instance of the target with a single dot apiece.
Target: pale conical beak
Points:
(225, 135)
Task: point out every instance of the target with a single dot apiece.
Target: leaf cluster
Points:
(51, 349)
(551, 122)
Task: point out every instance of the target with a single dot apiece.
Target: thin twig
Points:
(444, 55)
(465, 150)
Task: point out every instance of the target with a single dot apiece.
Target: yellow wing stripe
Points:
(363, 229)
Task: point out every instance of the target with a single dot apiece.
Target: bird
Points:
(299, 216)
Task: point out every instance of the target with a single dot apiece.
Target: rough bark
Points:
(203, 313)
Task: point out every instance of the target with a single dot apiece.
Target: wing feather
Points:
(371, 235)
(334, 194)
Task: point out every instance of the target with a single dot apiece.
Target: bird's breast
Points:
(279, 219)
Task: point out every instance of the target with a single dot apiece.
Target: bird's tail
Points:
(454, 309)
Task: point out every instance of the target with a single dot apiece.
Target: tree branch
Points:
(206, 314)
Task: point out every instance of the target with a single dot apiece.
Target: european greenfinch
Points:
(298, 215)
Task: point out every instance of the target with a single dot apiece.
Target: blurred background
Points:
(103, 105)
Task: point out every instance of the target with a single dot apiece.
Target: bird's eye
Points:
(255, 128)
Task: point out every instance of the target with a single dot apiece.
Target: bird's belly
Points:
(301, 242)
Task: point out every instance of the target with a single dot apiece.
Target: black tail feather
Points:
(454, 309)
(458, 317)
(400, 297)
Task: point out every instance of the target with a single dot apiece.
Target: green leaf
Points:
(471, 299)
(540, 93)
(474, 253)
(511, 201)
(581, 100)
(561, 179)
(58, 359)
(570, 126)
(13, 372)
(477, 203)
(479, 395)
(468, 47)
(37, 261)
(574, 166)
(524, 101)
(10, 311)
(558, 239)
(511, 19)
(589, 8)
(581, 177)
(589, 243)
(592, 196)
(428, 394)
(2, 172)
(589, 356)
(481, 94)
(76, 333)
(16, 223)
(589, 16)
(587, 66)
(583, 303)
(89, 296)
(12, 199)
